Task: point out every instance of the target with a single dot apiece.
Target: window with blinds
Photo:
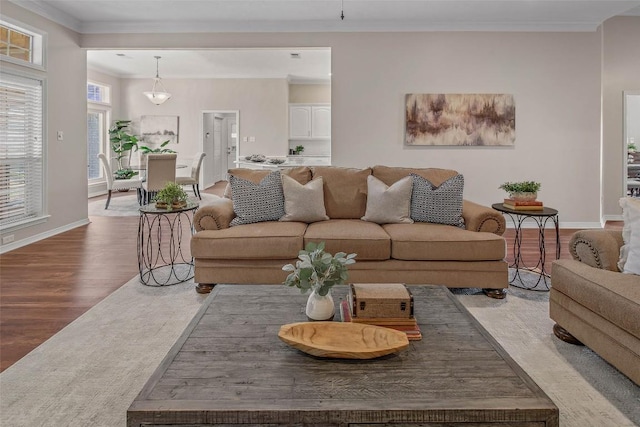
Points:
(21, 150)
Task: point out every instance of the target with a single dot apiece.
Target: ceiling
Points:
(310, 66)
(171, 16)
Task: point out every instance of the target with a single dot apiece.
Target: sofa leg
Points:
(564, 335)
(204, 288)
(495, 293)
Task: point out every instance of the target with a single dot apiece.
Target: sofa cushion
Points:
(388, 204)
(304, 203)
(438, 204)
(390, 175)
(264, 240)
(257, 202)
(345, 191)
(439, 242)
(302, 174)
(366, 239)
(612, 295)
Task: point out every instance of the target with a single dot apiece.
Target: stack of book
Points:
(407, 325)
(523, 205)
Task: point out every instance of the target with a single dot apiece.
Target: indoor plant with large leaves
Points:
(122, 142)
(318, 271)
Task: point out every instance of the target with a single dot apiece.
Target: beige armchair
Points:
(161, 168)
(595, 304)
(118, 184)
(194, 179)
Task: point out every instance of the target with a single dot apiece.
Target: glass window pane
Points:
(94, 142)
(19, 39)
(4, 34)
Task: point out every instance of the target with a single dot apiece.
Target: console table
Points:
(161, 261)
(540, 218)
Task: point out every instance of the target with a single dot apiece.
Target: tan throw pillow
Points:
(387, 205)
(303, 203)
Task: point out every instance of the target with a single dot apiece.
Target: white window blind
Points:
(21, 150)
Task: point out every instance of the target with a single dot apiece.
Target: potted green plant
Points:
(161, 149)
(318, 271)
(122, 142)
(124, 174)
(523, 190)
(172, 195)
(299, 149)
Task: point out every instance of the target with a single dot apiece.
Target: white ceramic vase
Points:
(320, 307)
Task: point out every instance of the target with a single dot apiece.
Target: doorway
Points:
(631, 142)
(220, 136)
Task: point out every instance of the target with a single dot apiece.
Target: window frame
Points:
(104, 107)
(105, 146)
(43, 214)
(39, 45)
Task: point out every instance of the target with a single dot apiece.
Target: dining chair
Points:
(194, 179)
(118, 184)
(161, 168)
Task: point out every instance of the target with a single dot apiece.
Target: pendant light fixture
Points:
(158, 94)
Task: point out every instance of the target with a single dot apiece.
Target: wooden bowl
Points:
(343, 340)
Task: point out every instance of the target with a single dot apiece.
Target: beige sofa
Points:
(593, 303)
(417, 253)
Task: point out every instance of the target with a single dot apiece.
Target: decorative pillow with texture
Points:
(440, 205)
(303, 203)
(630, 252)
(257, 202)
(386, 205)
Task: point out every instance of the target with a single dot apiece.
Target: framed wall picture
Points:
(157, 129)
(460, 119)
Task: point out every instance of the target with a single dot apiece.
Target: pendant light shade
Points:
(158, 93)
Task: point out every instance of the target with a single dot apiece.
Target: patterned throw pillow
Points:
(257, 202)
(440, 205)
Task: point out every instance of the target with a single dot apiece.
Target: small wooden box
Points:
(380, 300)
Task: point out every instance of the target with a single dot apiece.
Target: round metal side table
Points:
(161, 260)
(541, 218)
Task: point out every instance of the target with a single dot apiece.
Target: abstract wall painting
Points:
(158, 129)
(460, 119)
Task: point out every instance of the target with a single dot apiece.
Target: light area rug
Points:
(89, 373)
(128, 205)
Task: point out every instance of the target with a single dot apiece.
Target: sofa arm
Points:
(597, 248)
(214, 216)
(482, 218)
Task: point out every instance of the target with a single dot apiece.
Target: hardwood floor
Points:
(46, 285)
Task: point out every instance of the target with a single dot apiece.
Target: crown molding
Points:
(327, 26)
(51, 13)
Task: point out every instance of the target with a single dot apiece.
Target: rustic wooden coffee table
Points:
(229, 368)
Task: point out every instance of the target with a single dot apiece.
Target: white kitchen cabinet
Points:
(309, 121)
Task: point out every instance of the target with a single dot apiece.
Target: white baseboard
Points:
(568, 225)
(612, 218)
(41, 236)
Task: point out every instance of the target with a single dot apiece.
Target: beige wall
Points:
(66, 106)
(621, 71)
(310, 93)
(556, 79)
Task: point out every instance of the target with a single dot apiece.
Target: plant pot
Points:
(161, 205)
(524, 196)
(320, 307)
(178, 205)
